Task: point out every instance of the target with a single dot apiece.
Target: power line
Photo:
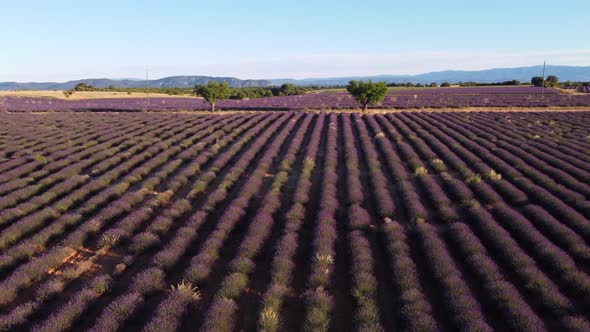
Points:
(147, 85)
(543, 85)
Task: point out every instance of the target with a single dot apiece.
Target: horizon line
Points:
(291, 78)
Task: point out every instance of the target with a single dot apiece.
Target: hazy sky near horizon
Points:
(63, 40)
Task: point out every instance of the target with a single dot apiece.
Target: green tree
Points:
(433, 85)
(288, 89)
(445, 85)
(83, 87)
(537, 81)
(238, 94)
(367, 93)
(213, 91)
(551, 81)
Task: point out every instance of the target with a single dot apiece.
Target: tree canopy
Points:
(213, 91)
(367, 93)
(83, 87)
(288, 89)
(78, 87)
(537, 81)
(550, 81)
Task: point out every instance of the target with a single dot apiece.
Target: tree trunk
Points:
(212, 107)
(365, 107)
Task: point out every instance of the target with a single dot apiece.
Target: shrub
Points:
(308, 163)
(18, 315)
(233, 285)
(359, 217)
(319, 304)
(420, 171)
(473, 179)
(473, 204)
(120, 268)
(143, 241)
(148, 281)
(63, 318)
(186, 290)
(101, 284)
(167, 317)
(41, 159)
(243, 265)
(49, 289)
(110, 238)
(117, 312)
(575, 323)
(492, 175)
(219, 317)
(268, 320)
(438, 165)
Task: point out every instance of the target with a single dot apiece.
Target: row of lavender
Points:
(578, 88)
(477, 90)
(176, 222)
(331, 100)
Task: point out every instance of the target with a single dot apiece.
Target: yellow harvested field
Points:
(85, 94)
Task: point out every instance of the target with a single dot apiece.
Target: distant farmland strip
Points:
(398, 99)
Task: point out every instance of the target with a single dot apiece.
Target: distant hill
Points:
(524, 74)
(166, 82)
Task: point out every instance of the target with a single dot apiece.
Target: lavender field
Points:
(288, 221)
(505, 97)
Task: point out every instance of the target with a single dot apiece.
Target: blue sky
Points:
(62, 40)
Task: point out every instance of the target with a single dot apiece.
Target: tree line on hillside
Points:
(366, 93)
(549, 81)
(418, 85)
(215, 91)
(286, 89)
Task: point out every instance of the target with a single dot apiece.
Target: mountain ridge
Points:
(523, 74)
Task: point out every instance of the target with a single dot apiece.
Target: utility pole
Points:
(147, 86)
(543, 85)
